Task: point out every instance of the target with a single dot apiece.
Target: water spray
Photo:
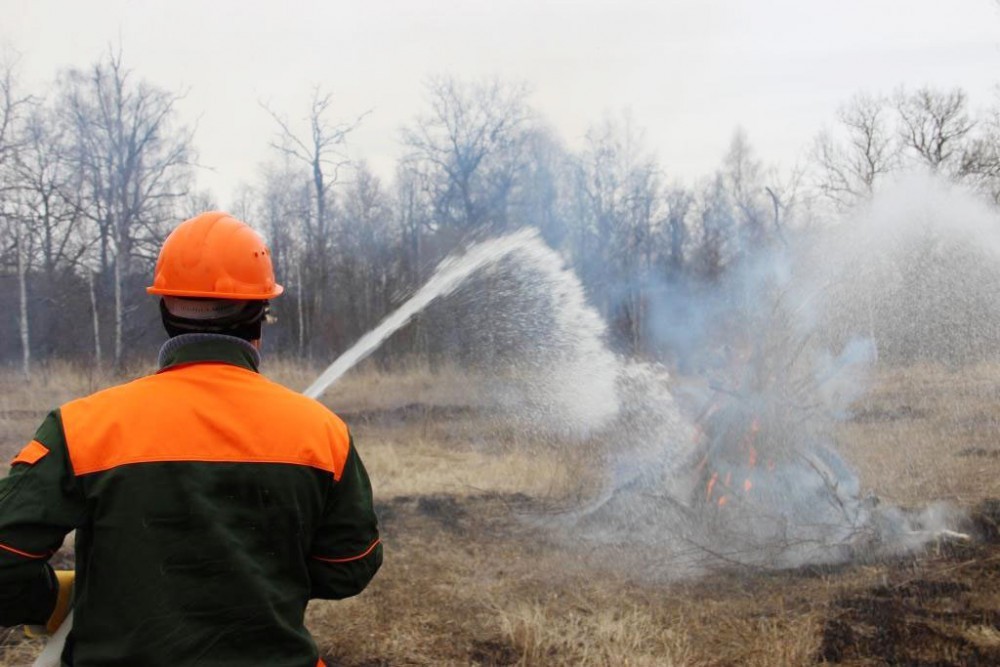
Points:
(450, 273)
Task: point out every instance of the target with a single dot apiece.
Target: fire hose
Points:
(51, 655)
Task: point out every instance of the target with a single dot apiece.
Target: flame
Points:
(751, 435)
(752, 458)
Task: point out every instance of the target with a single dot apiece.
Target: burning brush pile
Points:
(743, 467)
(770, 487)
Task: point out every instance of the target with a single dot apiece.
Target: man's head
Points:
(214, 275)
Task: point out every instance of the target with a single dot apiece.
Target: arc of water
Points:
(450, 273)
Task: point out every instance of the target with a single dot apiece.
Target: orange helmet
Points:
(215, 256)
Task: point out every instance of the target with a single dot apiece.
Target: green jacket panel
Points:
(39, 504)
(186, 562)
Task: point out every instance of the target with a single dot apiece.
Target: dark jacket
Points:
(210, 505)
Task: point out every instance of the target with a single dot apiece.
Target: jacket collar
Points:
(208, 347)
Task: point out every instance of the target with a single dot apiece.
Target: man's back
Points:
(210, 505)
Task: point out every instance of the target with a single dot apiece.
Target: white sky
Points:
(690, 71)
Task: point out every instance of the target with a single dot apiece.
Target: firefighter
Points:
(209, 503)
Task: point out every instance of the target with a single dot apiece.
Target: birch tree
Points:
(13, 106)
(48, 207)
(135, 164)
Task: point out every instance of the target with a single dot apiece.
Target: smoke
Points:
(742, 465)
(736, 460)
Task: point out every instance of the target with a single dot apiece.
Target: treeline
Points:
(95, 171)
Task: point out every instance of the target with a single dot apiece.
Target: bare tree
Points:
(20, 242)
(135, 166)
(12, 107)
(463, 175)
(284, 201)
(321, 150)
(413, 216)
(849, 169)
(715, 234)
(50, 190)
(744, 178)
(548, 172)
(368, 264)
(934, 126)
(468, 151)
(48, 204)
(17, 236)
(623, 207)
(981, 158)
(199, 201)
(675, 234)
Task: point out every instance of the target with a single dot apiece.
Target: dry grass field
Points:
(467, 581)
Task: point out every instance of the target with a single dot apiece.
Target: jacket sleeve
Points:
(40, 503)
(347, 551)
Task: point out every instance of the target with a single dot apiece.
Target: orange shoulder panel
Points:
(32, 453)
(209, 412)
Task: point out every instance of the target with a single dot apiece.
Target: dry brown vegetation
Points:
(468, 581)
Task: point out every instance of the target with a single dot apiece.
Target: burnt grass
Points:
(936, 610)
(929, 617)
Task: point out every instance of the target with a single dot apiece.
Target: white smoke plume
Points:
(736, 460)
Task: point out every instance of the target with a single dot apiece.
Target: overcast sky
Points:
(690, 71)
